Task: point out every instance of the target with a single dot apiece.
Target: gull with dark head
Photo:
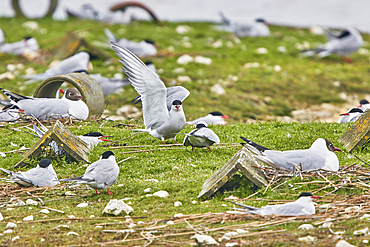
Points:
(319, 156)
(159, 121)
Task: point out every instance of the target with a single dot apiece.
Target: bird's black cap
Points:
(149, 41)
(177, 102)
(107, 154)
(148, 63)
(216, 113)
(364, 102)
(44, 163)
(345, 33)
(95, 134)
(260, 20)
(81, 71)
(27, 37)
(305, 194)
(201, 125)
(353, 110)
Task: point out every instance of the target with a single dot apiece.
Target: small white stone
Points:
(218, 89)
(1, 217)
(185, 59)
(183, 78)
(32, 25)
(178, 215)
(187, 44)
(326, 225)
(71, 216)
(63, 226)
(44, 211)
(204, 239)
(277, 68)
(217, 44)
(308, 238)
(28, 218)
(170, 222)
(261, 50)
(69, 193)
(232, 198)
(344, 243)
(194, 202)
(98, 226)
(177, 204)
(241, 231)
(152, 180)
(363, 51)
(161, 193)
(8, 231)
(316, 30)
(178, 71)
(306, 227)
(254, 65)
(15, 238)
(203, 60)
(224, 205)
(281, 49)
(365, 217)
(352, 209)
(10, 67)
(230, 234)
(140, 222)
(82, 205)
(72, 233)
(231, 244)
(365, 241)
(116, 207)
(42, 240)
(2, 154)
(149, 195)
(11, 225)
(183, 29)
(131, 225)
(31, 202)
(364, 231)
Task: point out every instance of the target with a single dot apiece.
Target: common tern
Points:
(319, 156)
(70, 105)
(257, 28)
(364, 105)
(302, 206)
(350, 116)
(143, 48)
(201, 137)
(27, 44)
(42, 175)
(158, 121)
(344, 44)
(215, 118)
(79, 61)
(99, 175)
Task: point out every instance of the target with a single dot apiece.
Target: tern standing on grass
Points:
(158, 121)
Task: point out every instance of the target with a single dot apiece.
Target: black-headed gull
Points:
(70, 105)
(201, 137)
(319, 156)
(302, 206)
(42, 175)
(158, 121)
(215, 118)
(350, 116)
(79, 61)
(344, 44)
(143, 48)
(99, 175)
(257, 28)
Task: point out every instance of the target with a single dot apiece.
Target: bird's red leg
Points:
(192, 149)
(175, 141)
(347, 60)
(163, 142)
(109, 193)
(209, 149)
(97, 192)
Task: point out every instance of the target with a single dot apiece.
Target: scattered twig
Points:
(362, 160)
(52, 209)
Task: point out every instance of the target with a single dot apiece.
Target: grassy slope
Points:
(182, 172)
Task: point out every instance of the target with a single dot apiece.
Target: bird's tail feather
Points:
(5, 170)
(79, 178)
(224, 19)
(255, 145)
(245, 206)
(110, 35)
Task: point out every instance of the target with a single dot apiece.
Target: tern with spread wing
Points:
(344, 44)
(70, 105)
(201, 137)
(158, 120)
(42, 175)
(302, 206)
(79, 61)
(99, 175)
(319, 156)
(215, 118)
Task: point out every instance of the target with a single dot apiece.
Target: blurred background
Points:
(302, 13)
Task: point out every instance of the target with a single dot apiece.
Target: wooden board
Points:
(73, 145)
(242, 161)
(358, 133)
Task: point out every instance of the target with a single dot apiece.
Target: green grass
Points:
(257, 93)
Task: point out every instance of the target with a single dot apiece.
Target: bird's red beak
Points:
(105, 140)
(79, 96)
(315, 197)
(338, 149)
(61, 91)
(177, 107)
(225, 116)
(344, 114)
(359, 106)
(107, 136)
(20, 110)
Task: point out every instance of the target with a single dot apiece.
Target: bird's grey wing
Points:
(76, 62)
(2, 36)
(207, 133)
(5, 170)
(40, 177)
(176, 93)
(21, 179)
(330, 35)
(249, 208)
(110, 35)
(102, 171)
(293, 209)
(308, 159)
(44, 108)
(148, 84)
(186, 141)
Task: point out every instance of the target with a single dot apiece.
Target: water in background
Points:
(296, 13)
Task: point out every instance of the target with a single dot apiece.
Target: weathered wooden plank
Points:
(242, 161)
(73, 145)
(358, 133)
